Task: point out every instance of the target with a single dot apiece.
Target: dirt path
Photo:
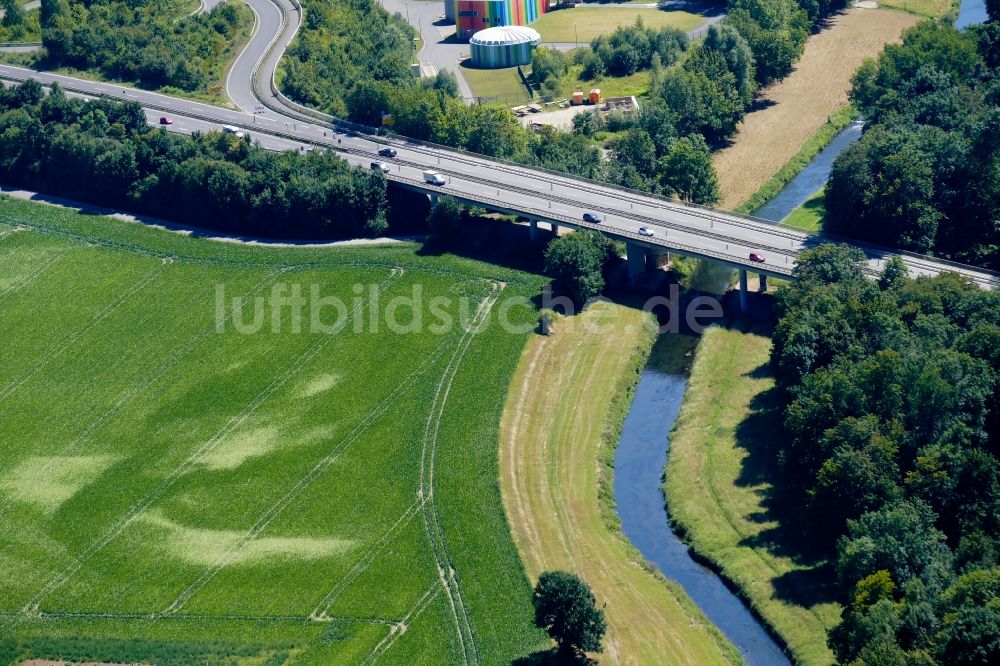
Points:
(801, 103)
(549, 459)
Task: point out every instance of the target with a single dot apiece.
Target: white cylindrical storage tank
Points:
(504, 46)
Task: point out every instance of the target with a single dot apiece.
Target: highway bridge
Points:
(543, 197)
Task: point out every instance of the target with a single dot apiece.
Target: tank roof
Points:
(504, 35)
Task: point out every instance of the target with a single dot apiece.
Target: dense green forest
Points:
(891, 400)
(152, 43)
(631, 48)
(18, 24)
(352, 58)
(104, 152)
(926, 174)
(343, 44)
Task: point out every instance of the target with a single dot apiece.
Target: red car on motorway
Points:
(757, 257)
(166, 120)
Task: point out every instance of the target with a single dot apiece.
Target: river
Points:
(639, 462)
(810, 179)
(971, 12)
(642, 452)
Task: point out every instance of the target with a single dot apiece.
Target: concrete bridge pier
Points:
(653, 258)
(635, 257)
(555, 229)
(743, 290)
(763, 283)
(533, 229)
(652, 261)
(434, 199)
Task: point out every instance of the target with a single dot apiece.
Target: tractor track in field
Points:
(171, 362)
(402, 626)
(99, 369)
(32, 276)
(320, 613)
(425, 493)
(54, 583)
(65, 343)
(334, 453)
(194, 617)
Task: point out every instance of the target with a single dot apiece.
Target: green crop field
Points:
(178, 489)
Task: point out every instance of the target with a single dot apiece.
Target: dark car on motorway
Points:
(593, 218)
(166, 120)
(380, 166)
(757, 257)
(387, 152)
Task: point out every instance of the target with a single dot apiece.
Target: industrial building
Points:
(471, 16)
(503, 46)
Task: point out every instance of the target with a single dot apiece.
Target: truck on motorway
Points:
(434, 178)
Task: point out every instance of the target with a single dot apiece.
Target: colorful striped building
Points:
(471, 16)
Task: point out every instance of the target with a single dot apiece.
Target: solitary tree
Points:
(566, 608)
(576, 262)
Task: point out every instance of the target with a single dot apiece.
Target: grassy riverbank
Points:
(809, 216)
(791, 111)
(810, 149)
(720, 485)
(564, 412)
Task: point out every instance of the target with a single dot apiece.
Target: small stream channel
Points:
(971, 12)
(639, 462)
(643, 448)
(811, 179)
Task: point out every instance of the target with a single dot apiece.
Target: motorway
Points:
(532, 193)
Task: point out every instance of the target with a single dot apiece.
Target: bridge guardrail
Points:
(668, 202)
(545, 215)
(990, 276)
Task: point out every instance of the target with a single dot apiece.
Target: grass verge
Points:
(720, 488)
(503, 86)
(582, 24)
(809, 216)
(810, 149)
(564, 412)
